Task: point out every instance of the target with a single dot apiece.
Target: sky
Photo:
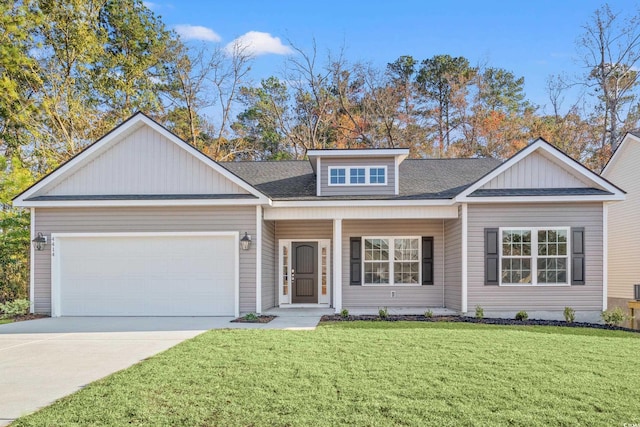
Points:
(531, 38)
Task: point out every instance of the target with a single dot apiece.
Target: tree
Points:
(610, 51)
(440, 79)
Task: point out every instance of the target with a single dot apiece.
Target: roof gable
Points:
(618, 155)
(544, 171)
(139, 158)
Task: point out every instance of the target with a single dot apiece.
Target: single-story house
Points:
(624, 222)
(141, 223)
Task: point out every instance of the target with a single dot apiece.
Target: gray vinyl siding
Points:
(301, 229)
(144, 162)
(453, 263)
(352, 190)
(406, 296)
(586, 297)
(624, 232)
(269, 283)
(143, 219)
(536, 171)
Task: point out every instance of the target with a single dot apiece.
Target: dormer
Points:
(366, 172)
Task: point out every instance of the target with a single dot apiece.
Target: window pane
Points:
(285, 270)
(338, 176)
(406, 249)
(516, 270)
(356, 176)
(376, 272)
(377, 175)
(405, 273)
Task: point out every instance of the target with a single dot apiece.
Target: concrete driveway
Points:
(46, 359)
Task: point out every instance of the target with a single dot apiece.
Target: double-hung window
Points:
(391, 260)
(534, 256)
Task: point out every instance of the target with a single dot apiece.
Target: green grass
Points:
(372, 374)
(3, 321)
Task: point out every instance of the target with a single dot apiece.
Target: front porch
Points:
(329, 278)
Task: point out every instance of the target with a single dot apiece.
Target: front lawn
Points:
(372, 373)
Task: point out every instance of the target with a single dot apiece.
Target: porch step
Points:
(298, 312)
(437, 311)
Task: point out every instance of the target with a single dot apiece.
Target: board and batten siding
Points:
(144, 162)
(453, 263)
(587, 297)
(269, 262)
(301, 230)
(380, 295)
(145, 219)
(535, 171)
(624, 231)
(360, 189)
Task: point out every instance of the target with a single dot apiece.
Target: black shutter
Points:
(491, 256)
(427, 260)
(355, 260)
(577, 256)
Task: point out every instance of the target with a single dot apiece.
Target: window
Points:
(337, 176)
(534, 256)
(391, 261)
(358, 175)
(377, 176)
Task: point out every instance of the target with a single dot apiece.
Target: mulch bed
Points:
(22, 317)
(464, 319)
(260, 319)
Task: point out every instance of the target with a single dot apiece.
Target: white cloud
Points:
(197, 32)
(150, 5)
(256, 43)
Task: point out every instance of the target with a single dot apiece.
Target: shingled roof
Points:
(419, 178)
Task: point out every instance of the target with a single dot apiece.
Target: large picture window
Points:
(534, 256)
(391, 260)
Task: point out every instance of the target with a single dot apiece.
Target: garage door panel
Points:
(147, 276)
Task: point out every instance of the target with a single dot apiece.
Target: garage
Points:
(145, 274)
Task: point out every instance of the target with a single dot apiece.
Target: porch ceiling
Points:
(361, 212)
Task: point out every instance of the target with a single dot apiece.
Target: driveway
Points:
(46, 359)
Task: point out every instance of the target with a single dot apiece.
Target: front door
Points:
(304, 274)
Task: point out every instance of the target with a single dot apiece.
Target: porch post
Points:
(464, 267)
(337, 265)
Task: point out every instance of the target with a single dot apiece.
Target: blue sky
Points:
(533, 39)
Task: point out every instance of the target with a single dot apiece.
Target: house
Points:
(141, 223)
(624, 222)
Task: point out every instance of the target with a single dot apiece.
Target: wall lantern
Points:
(245, 242)
(40, 242)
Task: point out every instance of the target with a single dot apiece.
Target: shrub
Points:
(383, 313)
(479, 312)
(251, 317)
(522, 315)
(14, 308)
(428, 314)
(569, 314)
(614, 317)
(344, 313)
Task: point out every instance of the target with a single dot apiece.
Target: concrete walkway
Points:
(46, 359)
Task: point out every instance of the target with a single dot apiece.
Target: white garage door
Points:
(183, 274)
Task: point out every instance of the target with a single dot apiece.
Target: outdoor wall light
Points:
(40, 242)
(245, 242)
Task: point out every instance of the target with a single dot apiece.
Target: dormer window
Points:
(358, 175)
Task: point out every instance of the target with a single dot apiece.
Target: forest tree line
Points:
(71, 70)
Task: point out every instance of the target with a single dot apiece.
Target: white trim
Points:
(367, 176)
(372, 152)
(541, 199)
(390, 261)
(342, 203)
(570, 164)
(361, 212)
(534, 256)
(286, 299)
(57, 240)
(32, 261)
(258, 241)
(396, 190)
(319, 178)
(300, 305)
(464, 262)
(605, 255)
(126, 128)
(126, 203)
(615, 155)
(337, 265)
